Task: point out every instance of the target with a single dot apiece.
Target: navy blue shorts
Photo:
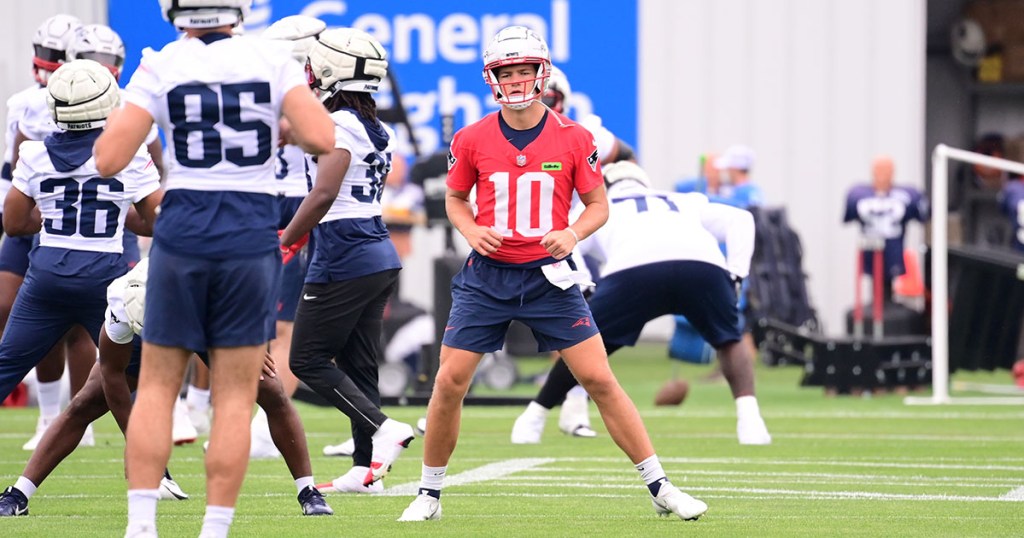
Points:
(68, 288)
(703, 292)
(199, 304)
(488, 295)
(14, 254)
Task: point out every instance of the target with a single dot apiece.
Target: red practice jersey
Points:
(525, 194)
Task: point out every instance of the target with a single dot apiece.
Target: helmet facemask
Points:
(502, 91)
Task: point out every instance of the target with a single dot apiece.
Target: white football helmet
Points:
(81, 94)
(625, 174)
(558, 93)
(517, 45)
(100, 43)
(135, 295)
(51, 42)
(204, 13)
(346, 59)
(301, 30)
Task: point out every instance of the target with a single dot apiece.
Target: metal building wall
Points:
(17, 26)
(816, 87)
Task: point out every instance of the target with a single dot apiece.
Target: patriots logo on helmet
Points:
(593, 160)
(451, 160)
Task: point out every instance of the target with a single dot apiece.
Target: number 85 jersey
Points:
(525, 194)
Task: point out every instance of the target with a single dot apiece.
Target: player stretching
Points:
(525, 162)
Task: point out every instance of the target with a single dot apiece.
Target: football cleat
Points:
(391, 438)
(313, 503)
(41, 425)
(352, 482)
(182, 430)
(346, 448)
(753, 431)
(13, 503)
(671, 501)
(528, 428)
(141, 530)
(422, 508)
(574, 418)
(171, 491)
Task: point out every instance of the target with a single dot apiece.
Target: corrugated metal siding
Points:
(816, 87)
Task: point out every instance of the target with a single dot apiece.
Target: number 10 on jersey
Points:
(533, 203)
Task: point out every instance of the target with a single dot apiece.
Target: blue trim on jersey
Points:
(374, 130)
(210, 39)
(521, 139)
(217, 225)
(70, 149)
(350, 248)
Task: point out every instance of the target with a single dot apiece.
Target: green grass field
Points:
(838, 467)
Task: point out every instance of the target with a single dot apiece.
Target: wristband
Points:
(574, 236)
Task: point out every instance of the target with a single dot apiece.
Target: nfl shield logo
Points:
(520, 160)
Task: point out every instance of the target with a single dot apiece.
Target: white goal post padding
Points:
(940, 275)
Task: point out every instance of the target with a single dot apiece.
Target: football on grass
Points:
(673, 392)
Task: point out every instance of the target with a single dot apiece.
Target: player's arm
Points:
(482, 239)
(142, 214)
(331, 170)
(21, 215)
(560, 243)
(114, 359)
(126, 130)
(735, 227)
(308, 124)
(156, 153)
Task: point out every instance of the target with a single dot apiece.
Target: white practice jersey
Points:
(363, 185)
(37, 120)
(80, 209)
(290, 170)
(15, 110)
(647, 226)
(218, 108)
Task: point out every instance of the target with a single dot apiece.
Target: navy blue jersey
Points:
(885, 216)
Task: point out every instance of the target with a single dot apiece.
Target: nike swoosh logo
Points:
(20, 511)
(309, 297)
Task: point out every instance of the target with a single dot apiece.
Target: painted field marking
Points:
(485, 473)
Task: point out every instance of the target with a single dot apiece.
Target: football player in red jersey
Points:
(525, 161)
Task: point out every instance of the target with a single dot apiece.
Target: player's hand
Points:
(269, 366)
(559, 243)
(484, 240)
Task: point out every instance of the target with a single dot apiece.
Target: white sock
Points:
(142, 506)
(49, 398)
(25, 486)
(303, 483)
(577, 392)
(746, 406)
(197, 399)
(650, 469)
(432, 477)
(217, 521)
(537, 409)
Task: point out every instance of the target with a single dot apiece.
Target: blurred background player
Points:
(215, 259)
(1012, 204)
(646, 275)
(519, 267)
(302, 32)
(354, 267)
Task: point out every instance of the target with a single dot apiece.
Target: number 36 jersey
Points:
(370, 145)
(80, 209)
(525, 194)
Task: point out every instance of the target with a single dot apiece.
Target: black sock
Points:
(655, 486)
(435, 493)
(558, 383)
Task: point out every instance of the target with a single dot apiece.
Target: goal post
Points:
(941, 157)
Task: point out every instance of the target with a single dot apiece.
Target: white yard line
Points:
(485, 473)
(1014, 495)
